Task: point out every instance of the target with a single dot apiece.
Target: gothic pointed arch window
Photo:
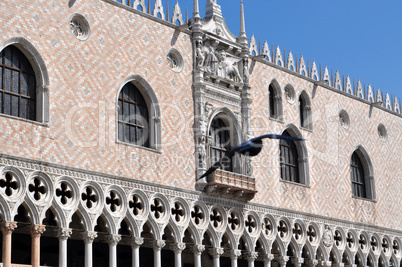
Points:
(133, 116)
(220, 143)
(138, 114)
(17, 84)
(293, 158)
(361, 176)
(305, 114)
(275, 101)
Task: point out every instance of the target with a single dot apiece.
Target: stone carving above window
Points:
(79, 27)
(382, 132)
(344, 119)
(216, 61)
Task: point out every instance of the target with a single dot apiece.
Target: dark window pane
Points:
(140, 136)
(16, 81)
(7, 104)
(32, 109)
(1, 76)
(32, 86)
(133, 136)
(126, 109)
(7, 80)
(121, 110)
(132, 114)
(121, 131)
(16, 60)
(24, 108)
(24, 83)
(7, 56)
(127, 133)
(14, 105)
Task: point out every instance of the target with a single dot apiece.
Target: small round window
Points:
(344, 119)
(174, 60)
(382, 132)
(79, 27)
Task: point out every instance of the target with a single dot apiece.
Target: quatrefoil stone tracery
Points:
(216, 218)
(136, 204)
(178, 212)
(113, 201)
(157, 208)
(197, 215)
(64, 193)
(311, 233)
(233, 221)
(9, 183)
(37, 188)
(282, 229)
(267, 226)
(250, 224)
(89, 197)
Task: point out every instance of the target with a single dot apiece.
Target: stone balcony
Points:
(231, 184)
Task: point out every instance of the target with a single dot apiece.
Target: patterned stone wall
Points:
(85, 78)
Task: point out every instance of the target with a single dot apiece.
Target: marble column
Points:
(7, 229)
(113, 240)
(158, 245)
(63, 234)
(198, 249)
(216, 254)
(177, 249)
(136, 242)
(36, 231)
(268, 259)
(251, 257)
(234, 255)
(89, 238)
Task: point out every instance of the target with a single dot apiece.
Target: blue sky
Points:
(362, 39)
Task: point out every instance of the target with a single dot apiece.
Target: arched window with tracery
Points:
(17, 84)
(361, 175)
(220, 143)
(133, 121)
(289, 160)
(275, 101)
(305, 111)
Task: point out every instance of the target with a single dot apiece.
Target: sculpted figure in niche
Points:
(245, 70)
(227, 67)
(199, 54)
(327, 236)
(205, 58)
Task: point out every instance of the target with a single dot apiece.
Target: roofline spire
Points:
(196, 9)
(242, 35)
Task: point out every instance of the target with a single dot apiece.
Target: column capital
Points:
(269, 257)
(178, 247)
(326, 263)
(312, 262)
(137, 241)
(198, 249)
(158, 244)
(252, 256)
(216, 252)
(235, 254)
(89, 236)
(113, 239)
(37, 230)
(64, 233)
(8, 227)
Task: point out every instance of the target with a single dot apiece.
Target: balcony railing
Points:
(232, 181)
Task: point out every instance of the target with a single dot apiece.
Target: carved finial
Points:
(388, 101)
(314, 72)
(326, 76)
(359, 91)
(158, 9)
(253, 46)
(196, 9)
(265, 51)
(302, 66)
(338, 83)
(348, 87)
(177, 16)
(278, 57)
(396, 105)
(242, 35)
(141, 3)
(291, 62)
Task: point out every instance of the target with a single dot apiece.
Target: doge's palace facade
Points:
(110, 111)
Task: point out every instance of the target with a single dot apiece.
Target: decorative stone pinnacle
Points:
(89, 236)
(8, 227)
(114, 239)
(37, 229)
